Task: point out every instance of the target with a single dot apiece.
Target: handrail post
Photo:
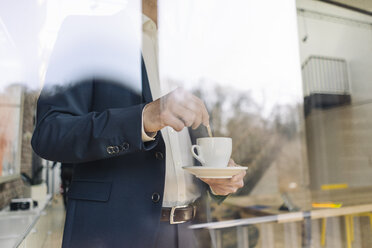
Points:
(242, 236)
(218, 238)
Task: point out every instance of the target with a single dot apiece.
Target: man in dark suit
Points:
(96, 122)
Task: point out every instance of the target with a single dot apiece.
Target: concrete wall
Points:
(342, 36)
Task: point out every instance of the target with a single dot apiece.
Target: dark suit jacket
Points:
(114, 197)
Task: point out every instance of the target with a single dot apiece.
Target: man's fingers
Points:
(232, 163)
(231, 181)
(226, 186)
(198, 109)
(195, 108)
(204, 111)
(215, 181)
(183, 114)
(197, 112)
(170, 120)
(221, 192)
(197, 122)
(188, 112)
(225, 190)
(239, 182)
(186, 107)
(238, 177)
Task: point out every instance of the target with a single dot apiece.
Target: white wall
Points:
(339, 38)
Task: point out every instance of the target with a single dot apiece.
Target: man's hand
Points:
(226, 186)
(177, 109)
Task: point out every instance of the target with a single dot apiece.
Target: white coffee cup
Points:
(213, 151)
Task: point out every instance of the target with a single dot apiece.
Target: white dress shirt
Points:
(179, 186)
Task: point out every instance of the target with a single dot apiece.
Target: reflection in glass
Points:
(10, 127)
(242, 59)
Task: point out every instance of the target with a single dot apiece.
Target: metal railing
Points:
(297, 231)
(325, 75)
(242, 229)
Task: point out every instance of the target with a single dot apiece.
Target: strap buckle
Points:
(171, 217)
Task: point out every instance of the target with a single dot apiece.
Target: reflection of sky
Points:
(106, 47)
(246, 44)
(32, 31)
(56, 13)
(9, 58)
(22, 19)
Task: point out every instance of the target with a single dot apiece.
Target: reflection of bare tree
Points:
(258, 140)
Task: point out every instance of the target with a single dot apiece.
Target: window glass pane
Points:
(288, 83)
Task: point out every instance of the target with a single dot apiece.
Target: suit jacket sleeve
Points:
(67, 131)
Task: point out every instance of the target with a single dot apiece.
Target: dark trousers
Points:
(176, 236)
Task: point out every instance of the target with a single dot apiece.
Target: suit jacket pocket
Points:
(90, 190)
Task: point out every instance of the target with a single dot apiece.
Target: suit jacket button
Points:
(110, 150)
(116, 149)
(124, 146)
(159, 156)
(155, 197)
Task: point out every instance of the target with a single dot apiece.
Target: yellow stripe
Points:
(324, 228)
(326, 205)
(334, 186)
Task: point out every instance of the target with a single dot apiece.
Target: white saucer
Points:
(212, 172)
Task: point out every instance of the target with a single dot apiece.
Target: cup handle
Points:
(199, 155)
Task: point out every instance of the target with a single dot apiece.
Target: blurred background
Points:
(289, 81)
